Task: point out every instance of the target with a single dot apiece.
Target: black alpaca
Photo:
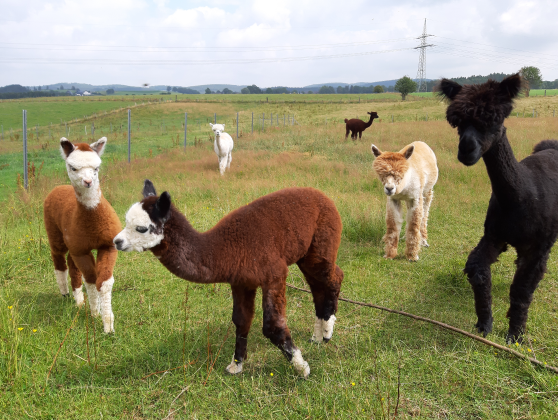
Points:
(357, 126)
(523, 207)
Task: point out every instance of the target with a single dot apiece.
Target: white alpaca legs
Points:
(234, 367)
(222, 164)
(318, 335)
(300, 364)
(328, 327)
(78, 296)
(62, 280)
(229, 160)
(94, 301)
(106, 308)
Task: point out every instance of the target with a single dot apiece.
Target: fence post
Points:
(129, 136)
(66, 128)
(25, 180)
(93, 130)
(237, 125)
(252, 123)
(533, 112)
(185, 128)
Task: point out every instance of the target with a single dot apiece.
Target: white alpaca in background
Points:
(223, 146)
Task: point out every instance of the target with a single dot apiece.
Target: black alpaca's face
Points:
(374, 115)
(478, 112)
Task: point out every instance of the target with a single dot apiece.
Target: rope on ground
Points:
(446, 326)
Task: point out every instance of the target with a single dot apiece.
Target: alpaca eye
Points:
(96, 169)
(141, 229)
(73, 169)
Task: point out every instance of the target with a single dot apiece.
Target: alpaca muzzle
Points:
(470, 150)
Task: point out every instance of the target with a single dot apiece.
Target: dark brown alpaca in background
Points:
(356, 126)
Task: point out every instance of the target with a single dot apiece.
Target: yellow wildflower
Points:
(271, 374)
(9, 307)
(34, 330)
(20, 328)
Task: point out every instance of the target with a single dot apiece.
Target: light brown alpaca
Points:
(78, 220)
(408, 175)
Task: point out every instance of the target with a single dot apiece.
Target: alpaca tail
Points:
(346, 120)
(545, 144)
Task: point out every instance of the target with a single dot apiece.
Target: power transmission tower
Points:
(421, 73)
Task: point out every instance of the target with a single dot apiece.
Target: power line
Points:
(158, 62)
(109, 48)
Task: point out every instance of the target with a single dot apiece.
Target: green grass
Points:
(442, 375)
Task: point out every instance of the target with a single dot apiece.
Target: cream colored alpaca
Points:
(408, 175)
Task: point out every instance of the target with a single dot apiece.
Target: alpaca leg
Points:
(90, 288)
(325, 283)
(222, 164)
(414, 221)
(243, 314)
(106, 258)
(275, 323)
(530, 271)
(86, 265)
(424, 225)
(478, 273)
(229, 160)
(394, 220)
(347, 133)
(61, 273)
(76, 280)
(360, 135)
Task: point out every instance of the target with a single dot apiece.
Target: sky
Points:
(269, 43)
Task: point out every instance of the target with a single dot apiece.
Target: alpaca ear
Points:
(448, 89)
(66, 147)
(223, 126)
(511, 86)
(211, 125)
(375, 151)
(99, 145)
(409, 152)
(148, 189)
(161, 212)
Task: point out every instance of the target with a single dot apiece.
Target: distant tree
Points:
(174, 89)
(168, 89)
(73, 88)
(61, 87)
(404, 86)
(110, 91)
(269, 90)
(40, 88)
(310, 92)
(227, 91)
(254, 89)
(207, 91)
(533, 77)
(378, 89)
(244, 91)
(326, 90)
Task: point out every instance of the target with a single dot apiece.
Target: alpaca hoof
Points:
(514, 338)
(425, 244)
(300, 364)
(485, 327)
(234, 368)
(413, 258)
(67, 295)
(108, 323)
(318, 335)
(328, 328)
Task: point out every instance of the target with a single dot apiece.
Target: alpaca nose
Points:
(118, 243)
(389, 190)
(87, 183)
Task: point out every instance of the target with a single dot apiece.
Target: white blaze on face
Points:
(138, 235)
(390, 185)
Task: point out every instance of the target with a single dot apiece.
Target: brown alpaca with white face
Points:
(249, 248)
(408, 175)
(78, 220)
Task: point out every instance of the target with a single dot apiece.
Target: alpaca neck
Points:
(369, 123)
(218, 141)
(88, 197)
(184, 251)
(504, 171)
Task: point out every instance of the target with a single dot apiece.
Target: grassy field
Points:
(353, 376)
